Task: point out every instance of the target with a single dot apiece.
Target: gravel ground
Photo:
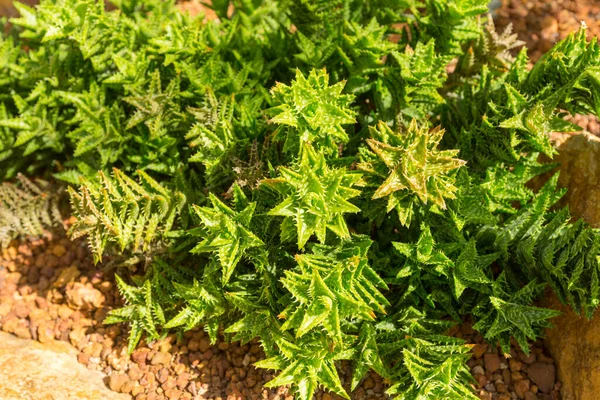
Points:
(49, 289)
(542, 23)
(514, 376)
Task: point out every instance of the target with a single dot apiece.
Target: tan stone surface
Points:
(33, 371)
(575, 342)
(579, 156)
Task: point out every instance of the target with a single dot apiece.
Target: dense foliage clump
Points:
(344, 180)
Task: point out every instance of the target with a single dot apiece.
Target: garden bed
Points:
(50, 288)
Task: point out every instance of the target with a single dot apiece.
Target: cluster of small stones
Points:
(511, 376)
(50, 290)
(542, 23)
(588, 123)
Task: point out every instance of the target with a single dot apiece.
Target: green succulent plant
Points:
(310, 111)
(411, 166)
(311, 173)
(316, 198)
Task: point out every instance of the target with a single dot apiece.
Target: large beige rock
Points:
(575, 342)
(30, 370)
(579, 158)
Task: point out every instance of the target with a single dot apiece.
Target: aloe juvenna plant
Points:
(343, 180)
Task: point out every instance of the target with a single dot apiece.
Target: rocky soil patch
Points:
(542, 23)
(510, 376)
(50, 290)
